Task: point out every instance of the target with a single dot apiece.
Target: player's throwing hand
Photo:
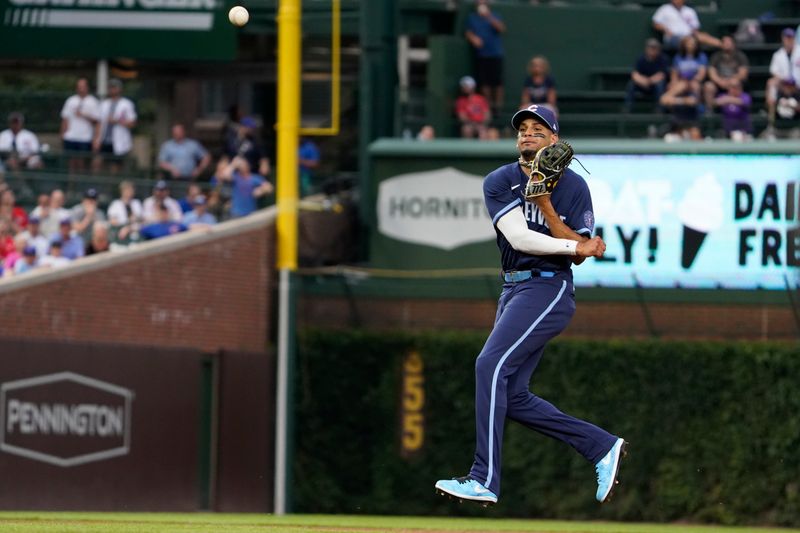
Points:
(594, 247)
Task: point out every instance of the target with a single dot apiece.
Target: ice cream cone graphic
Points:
(692, 241)
(700, 211)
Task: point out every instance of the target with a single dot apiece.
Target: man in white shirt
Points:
(676, 20)
(79, 124)
(113, 139)
(161, 197)
(784, 69)
(19, 147)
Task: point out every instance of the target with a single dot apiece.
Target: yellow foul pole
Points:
(288, 129)
(287, 195)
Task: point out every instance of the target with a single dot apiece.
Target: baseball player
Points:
(540, 238)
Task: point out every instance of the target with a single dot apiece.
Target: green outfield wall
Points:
(712, 426)
(706, 215)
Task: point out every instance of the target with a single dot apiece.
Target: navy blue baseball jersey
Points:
(503, 190)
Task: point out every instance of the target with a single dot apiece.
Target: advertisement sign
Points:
(65, 419)
(670, 220)
(704, 221)
(441, 208)
(138, 29)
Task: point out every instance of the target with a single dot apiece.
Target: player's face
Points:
(532, 136)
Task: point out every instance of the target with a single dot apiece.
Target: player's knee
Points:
(485, 363)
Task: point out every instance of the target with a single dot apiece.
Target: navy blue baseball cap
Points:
(540, 113)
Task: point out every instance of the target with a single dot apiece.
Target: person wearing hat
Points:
(161, 196)
(72, 245)
(199, 216)
(113, 140)
(54, 258)
(182, 158)
(649, 75)
(784, 68)
(86, 213)
(539, 241)
(472, 110)
(246, 144)
(34, 237)
(27, 262)
(19, 147)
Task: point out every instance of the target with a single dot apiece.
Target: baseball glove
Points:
(547, 168)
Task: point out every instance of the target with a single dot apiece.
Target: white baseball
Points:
(238, 16)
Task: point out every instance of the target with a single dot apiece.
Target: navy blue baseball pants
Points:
(529, 314)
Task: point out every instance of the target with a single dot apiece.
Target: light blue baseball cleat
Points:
(607, 469)
(466, 488)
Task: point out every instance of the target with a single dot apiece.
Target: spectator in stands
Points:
(232, 123)
(187, 202)
(6, 238)
(11, 211)
(79, 122)
(246, 145)
(685, 113)
(33, 236)
(85, 214)
(113, 139)
(472, 110)
(19, 147)
(539, 87)
(27, 262)
(199, 216)
(126, 212)
(426, 133)
(51, 215)
(219, 195)
(734, 105)
(246, 187)
(676, 21)
(649, 75)
(72, 246)
(688, 69)
(182, 158)
(55, 258)
(100, 241)
(14, 255)
(787, 111)
(309, 159)
(161, 197)
(484, 33)
(164, 226)
(784, 69)
(727, 68)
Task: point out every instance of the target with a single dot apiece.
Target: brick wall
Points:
(206, 291)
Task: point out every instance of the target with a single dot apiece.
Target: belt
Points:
(515, 276)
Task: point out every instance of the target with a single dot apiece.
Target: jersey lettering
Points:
(534, 214)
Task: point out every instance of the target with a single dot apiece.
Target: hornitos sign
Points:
(187, 15)
(440, 208)
(65, 419)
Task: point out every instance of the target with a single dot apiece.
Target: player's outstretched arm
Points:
(514, 228)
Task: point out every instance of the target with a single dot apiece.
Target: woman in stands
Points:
(688, 68)
(539, 87)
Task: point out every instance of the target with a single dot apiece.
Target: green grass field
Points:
(41, 522)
